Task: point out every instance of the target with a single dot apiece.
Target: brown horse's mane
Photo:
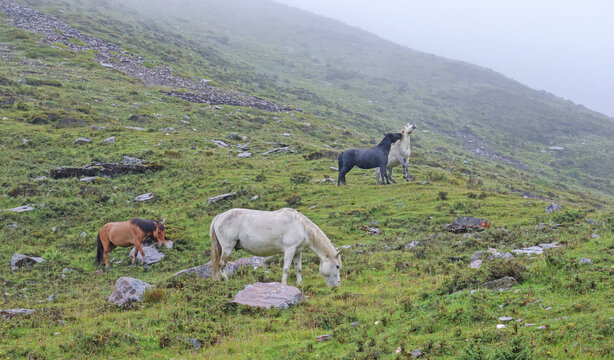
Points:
(148, 226)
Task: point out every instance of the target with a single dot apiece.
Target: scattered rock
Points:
(552, 207)
(13, 226)
(49, 299)
(88, 179)
(195, 343)
(506, 318)
(10, 313)
(255, 197)
(424, 183)
(168, 129)
(220, 143)
(83, 234)
(327, 179)
(83, 140)
(529, 325)
(23, 208)
(501, 326)
(561, 318)
(333, 168)
(204, 271)
(585, 261)
(128, 166)
(213, 199)
(96, 127)
(416, 353)
(128, 291)
(279, 150)
(109, 140)
(107, 65)
(234, 136)
(267, 295)
(536, 250)
(168, 244)
(541, 327)
(65, 272)
(479, 256)
(19, 260)
(152, 255)
(500, 284)
(595, 236)
(355, 323)
(323, 337)
(40, 178)
(556, 148)
(129, 160)
(371, 230)
(243, 147)
(144, 197)
(465, 224)
(25, 141)
(137, 128)
(244, 154)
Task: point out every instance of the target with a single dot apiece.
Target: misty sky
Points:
(565, 47)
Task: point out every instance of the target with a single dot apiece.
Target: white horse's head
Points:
(330, 269)
(409, 128)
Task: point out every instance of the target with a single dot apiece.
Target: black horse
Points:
(377, 156)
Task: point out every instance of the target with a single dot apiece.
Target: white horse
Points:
(264, 233)
(399, 155)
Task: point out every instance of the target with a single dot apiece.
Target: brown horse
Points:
(126, 233)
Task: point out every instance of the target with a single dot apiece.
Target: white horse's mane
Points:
(317, 237)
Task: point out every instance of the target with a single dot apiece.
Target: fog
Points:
(565, 47)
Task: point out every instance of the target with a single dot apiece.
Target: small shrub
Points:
(293, 200)
(260, 177)
(435, 175)
(154, 295)
(568, 216)
(442, 195)
(300, 178)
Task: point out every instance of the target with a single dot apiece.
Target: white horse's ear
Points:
(338, 252)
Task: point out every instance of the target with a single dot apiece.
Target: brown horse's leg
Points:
(139, 248)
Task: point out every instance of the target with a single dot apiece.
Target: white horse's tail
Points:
(216, 252)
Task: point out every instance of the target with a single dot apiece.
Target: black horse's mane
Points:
(148, 226)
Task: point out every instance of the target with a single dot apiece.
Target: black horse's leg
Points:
(382, 168)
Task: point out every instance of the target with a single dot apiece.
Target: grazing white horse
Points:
(399, 155)
(264, 233)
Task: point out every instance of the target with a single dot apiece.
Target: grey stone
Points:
(196, 344)
(585, 261)
(152, 255)
(219, 197)
(323, 337)
(243, 147)
(128, 291)
(478, 257)
(416, 353)
(501, 326)
(255, 197)
(88, 179)
(83, 140)
(234, 136)
(506, 318)
(40, 178)
(109, 140)
(25, 141)
(10, 313)
(204, 271)
(220, 143)
(96, 127)
(168, 129)
(13, 226)
(503, 283)
(371, 230)
(533, 250)
(412, 244)
(137, 128)
(19, 260)
(267, 295)
(595, 236)
(144, 197)
(244, 154)
(65, 272)
(550, 245)
(23, 208)
(552, 207)
(279, 150)
(129, 160)
(49, 299)
(106, 65)
(355, 323)
(556, 148)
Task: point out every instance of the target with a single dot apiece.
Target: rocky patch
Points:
(465, 224)
(152, 255)
(18, 261)
(128, 291)
(204, 271)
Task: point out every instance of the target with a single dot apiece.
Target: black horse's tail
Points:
(99, 250)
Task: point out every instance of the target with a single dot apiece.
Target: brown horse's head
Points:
(160, 232)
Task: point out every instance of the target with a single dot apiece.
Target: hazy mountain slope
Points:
(341, 72)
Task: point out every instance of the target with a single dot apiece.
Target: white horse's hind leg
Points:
(288, 256)
(405, 165)
(390, 175)
(298, 267)
(377, 175)
(224, 259)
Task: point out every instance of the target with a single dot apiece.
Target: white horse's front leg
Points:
(288, 256)
(298, 267)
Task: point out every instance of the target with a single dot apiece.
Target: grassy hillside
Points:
(402, 297)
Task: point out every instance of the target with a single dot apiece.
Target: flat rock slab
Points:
(204, 271)
(536, 250)
(465, 224)
(219, 197)
(10, 313)
(23, 208)
(102, 169)
(144, 197)
(152, 255)
(19, 260)
(267, 295)
(480, 256)
(128, 290)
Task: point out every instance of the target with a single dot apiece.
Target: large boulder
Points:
(552, 207)
(465, 224)
(204, 271)
(128, 291)
(152, 255)
(267, 295)
(19, 260)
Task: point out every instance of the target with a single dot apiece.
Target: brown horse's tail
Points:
(99, 250)
(216, 252)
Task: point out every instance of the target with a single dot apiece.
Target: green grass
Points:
(409, 298)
